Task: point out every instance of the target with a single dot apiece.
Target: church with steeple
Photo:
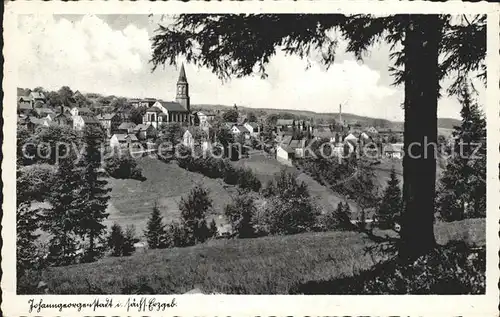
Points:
(171, 111)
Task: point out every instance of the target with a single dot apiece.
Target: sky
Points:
(109, 54)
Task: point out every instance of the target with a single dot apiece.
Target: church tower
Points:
(182, 95)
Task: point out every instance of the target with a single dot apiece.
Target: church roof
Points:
(126, 125)
(182, 75)
(153, 109)
(173, 106)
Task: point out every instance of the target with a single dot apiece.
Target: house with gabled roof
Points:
(144, 131)
(109, 122)
(126, 127)
(290, 149)
(122, 140)
(80, 111)
(253, 128)
(37, 96)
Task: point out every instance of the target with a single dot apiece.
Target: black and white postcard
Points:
(160, 158)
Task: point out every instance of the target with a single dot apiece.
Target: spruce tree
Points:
(391, 205)
(116, 240)
(194, 209)
(129, 241)
(26, 250)
(155, 231)
(462, 188)
(93, 196)
(212, 229)
(62, 218)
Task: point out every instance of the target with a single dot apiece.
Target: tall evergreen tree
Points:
(155, 231)
(194, 209)
(462, 188)
(93, 195)
(391, 205)
(116, 240)
(62, 218)
(417, 41)
(129, 240)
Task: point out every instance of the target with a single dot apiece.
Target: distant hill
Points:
(445, 123)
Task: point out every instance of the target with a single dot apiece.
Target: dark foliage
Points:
(462, 188)
(194, 209)
(155, 231)
(123, 166)
(240, 215)
(391, 204)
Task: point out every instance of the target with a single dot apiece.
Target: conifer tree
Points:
(212, 229)
(462, 188)
(129, 240)
(391, 204)
(116, 240)
(93, 195)
(26, 226)
(155, 230)
(63, 217)
(194, 209)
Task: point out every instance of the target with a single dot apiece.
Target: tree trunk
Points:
(420, 129)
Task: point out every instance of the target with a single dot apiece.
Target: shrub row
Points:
(220, 168)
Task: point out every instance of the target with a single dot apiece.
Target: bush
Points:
(291, 209)
(240, 215)
(123, 167)
(120, 243)
(176, 235)
(338, 219)
(194, 209)
(248, 180)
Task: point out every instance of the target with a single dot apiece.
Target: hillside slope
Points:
(132, 201)
(269, 265)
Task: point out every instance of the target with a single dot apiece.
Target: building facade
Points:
(168, 111)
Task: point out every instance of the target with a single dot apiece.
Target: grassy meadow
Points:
(269, 265)
(132, 200)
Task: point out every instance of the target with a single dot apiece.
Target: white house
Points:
(394, 150)
(289, 149)
(240, 130)
(122, 140)
(78, 123)
(253, 128)
(37, 96)
(80, 111)
(364, 136)
(126, 127)
(188, 139)
(351, 137)
(192, 135)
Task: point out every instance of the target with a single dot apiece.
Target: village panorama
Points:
(170, 195)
